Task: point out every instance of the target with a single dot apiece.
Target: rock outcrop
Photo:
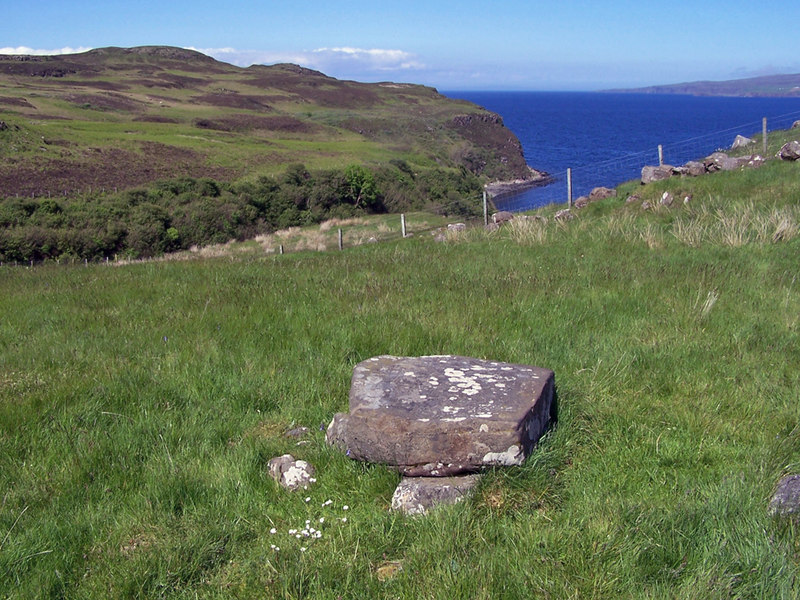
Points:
(718, 161)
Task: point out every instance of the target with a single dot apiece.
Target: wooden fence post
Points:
(660, 155)
(341, 244)
(485, 209)
(764, 133)
(569, 188)
(403, 224)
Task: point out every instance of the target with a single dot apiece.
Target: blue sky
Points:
(451, 45)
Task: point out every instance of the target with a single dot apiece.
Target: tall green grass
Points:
(139, 406)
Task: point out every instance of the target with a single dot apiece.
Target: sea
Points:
(606, 138)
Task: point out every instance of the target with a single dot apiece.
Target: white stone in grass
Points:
(290, 473)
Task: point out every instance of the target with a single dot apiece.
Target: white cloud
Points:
(41, 52)
(245, 58)
(337, 62)
(372, 58)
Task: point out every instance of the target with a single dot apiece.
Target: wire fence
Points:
(611, 172)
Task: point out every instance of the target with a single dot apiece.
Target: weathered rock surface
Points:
(796, 125)
(502, 216)
(652, 173)
(694, 168)
(564, 215)
(290, 473)
(600, 193)
(741, 141)
(297, 432)
(443, 415)
(789, 151)
(581, 202)
(418, 495)
(786, 500)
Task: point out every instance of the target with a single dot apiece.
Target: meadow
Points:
(140, 404)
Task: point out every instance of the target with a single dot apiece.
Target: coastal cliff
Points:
(122, 117)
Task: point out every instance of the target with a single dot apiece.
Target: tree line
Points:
(180, 213)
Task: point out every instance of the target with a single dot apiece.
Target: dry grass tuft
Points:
(528, 231)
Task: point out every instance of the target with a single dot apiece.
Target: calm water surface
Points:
(606, 139)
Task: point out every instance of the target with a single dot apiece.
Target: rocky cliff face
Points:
(496, 152)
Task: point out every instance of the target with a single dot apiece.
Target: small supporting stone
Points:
(418, 495)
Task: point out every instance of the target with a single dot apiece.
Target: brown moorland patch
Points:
(105, 169)
(242, 122)
(233, 100)
(8, 101)
(107, 101)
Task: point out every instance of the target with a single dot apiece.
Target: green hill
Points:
(141, 151)
(123, 117)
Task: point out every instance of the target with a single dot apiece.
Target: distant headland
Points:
(778, 86)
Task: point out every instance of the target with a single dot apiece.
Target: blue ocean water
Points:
(606, 139)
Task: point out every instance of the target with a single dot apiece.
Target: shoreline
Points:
(497, 189)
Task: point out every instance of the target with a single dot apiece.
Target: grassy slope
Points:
(139, 406)
(124, 117)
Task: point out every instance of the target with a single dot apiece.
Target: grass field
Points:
(140, 404)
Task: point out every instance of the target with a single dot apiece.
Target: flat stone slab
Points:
(418, 495)
(438, 416)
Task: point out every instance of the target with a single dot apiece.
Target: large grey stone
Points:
(789, 151)
(442, 415)
(741, 141)
(656, 173)
(502, 216)
(719, 161)
(694, 168)
(786, 500)
(418, 495)
(600, 193)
